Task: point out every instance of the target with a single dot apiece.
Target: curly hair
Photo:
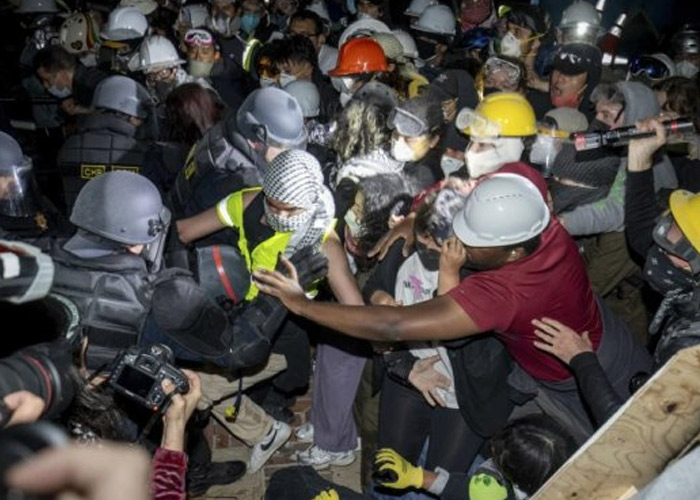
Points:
(361, 129)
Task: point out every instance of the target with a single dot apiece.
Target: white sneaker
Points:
(273, 441)
(321, 459)
(305, 433)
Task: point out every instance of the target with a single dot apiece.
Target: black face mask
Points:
(426, 49)
(428, 257)
(597, 126)
(663, 276)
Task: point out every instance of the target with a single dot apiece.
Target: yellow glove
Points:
(393, 471)
(327, 495)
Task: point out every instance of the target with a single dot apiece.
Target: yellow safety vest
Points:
(266, 254)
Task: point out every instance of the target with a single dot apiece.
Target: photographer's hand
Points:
(179, 412)
(25, 407)
(106, 473)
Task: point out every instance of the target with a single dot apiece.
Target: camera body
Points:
(139, 372)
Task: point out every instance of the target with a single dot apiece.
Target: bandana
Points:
(294, 177)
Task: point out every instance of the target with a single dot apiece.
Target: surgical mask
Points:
(266, 81)
(353, 224)
(200, 69)
(60, 93)
(429, 258)
(286, 224)
(450, 165)
(663, 276)
(347, 83)
(224, 25)
(286, 78)
(686, 69)
(363, 15)
(345, 98)
(402, 151)
(510, 46)
(249, 22)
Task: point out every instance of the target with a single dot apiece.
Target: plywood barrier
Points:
(639, 441)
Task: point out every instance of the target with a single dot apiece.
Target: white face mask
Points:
(200, 69)
(510, 45)
(353, 224)
(686, 69)
(402, 151)
(266, 81)
(286, 78)
(450, 165)
(347, 82)
(506, 150)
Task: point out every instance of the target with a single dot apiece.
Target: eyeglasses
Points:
(650, 66)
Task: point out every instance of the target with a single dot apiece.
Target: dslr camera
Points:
(139, 372)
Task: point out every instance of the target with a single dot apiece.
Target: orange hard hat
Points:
(360, 55)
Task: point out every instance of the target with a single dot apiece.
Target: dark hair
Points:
(54, 59)
(529, 247)
(528, 16)
(682, 95)
(298, 49)
(530, 449)
(308, 15)
(436, 213)
(385, 195)
(190, 111)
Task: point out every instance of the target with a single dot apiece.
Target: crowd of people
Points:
(472, 227)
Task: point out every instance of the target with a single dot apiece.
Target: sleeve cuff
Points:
(440, 482)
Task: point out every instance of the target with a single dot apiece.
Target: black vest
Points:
(113, 295)
(102, 144)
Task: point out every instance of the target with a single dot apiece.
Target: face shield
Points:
(153, 252)
(17, 189)
(546, 147)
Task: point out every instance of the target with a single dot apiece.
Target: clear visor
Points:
(17, 196)
(476, 125)
(579, 33)
(669, 237)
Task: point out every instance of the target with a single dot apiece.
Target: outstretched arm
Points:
(198, 226)
(439, 319)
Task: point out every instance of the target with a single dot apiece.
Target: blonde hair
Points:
(361, 129)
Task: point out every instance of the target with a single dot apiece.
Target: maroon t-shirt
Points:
(551, 282)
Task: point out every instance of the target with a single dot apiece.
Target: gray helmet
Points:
(122, 94)
(123, 207)
(271, 114)
(686, 41)
(17, 186)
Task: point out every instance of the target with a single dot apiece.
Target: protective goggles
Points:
(548, 127)
(407, 124)
(199, 38)
(476, 125)
(650, 66)
(496, 64)
(680, 248)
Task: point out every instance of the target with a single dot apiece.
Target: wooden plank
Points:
(639, 441)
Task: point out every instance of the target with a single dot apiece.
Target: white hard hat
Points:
(502, 210)
(157, 52)
(145, 6)
(410, 50)
(362, 27)
(580, 22)
(319, 8)
(78, 33)
(37, 7)
(125, 23)
(194, 16)
(438, 20)
(306, 94)
(416, 7)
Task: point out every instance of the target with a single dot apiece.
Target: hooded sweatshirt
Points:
(608, 214)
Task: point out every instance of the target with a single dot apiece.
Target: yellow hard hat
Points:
(685, 208)
(501, 114)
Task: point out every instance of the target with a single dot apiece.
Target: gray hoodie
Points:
(608, 214)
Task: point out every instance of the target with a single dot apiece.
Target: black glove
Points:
(311, 266)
